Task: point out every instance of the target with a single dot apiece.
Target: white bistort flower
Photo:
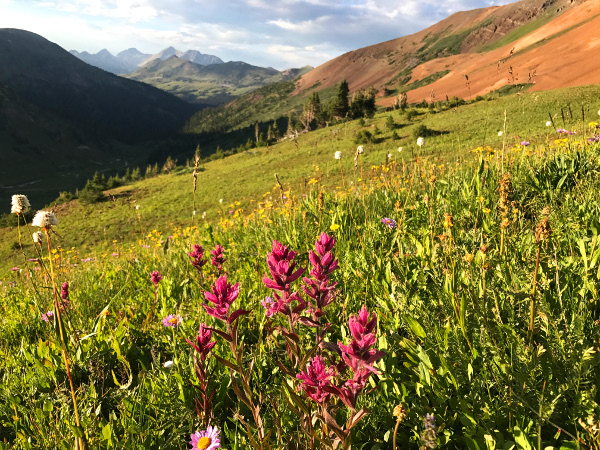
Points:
(167, 364)
(400, 149)
(500, 133)
(38, 237)
(421, 141)
(549, 124)
(338, 155)
(360, 150)
(20, 204)
(44, 219)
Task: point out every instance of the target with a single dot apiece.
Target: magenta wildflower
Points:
(204, 343)
(359, 356)
(283, 272)
(172, 320)
(15, 269)
(391, 223)
(64, 295)
(47, 317)
(217, 259)
(323, 264)
(206, 439)
(155, 277)
(316, 378)
(222, 296)
(359, 353)
(525, 143)
(281, 265)
(197, 255)
(561, 130)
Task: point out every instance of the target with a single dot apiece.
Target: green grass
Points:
(451, 288)
(249, 175)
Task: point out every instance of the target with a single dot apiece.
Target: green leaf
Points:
(521, 439)
(415, 326)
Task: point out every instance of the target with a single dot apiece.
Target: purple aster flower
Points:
(47, 317)
(15, 269)
(172, 320)
(391, 223)
(561, 130)
(206, 439)
(525, 143)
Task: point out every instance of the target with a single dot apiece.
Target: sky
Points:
(268, 33)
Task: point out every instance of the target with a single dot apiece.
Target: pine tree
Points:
(340, 108)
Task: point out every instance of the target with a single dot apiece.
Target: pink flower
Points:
(222, 296)
(281, 265)
(204, 343)
(217, 259)
(155, 277)
(47, 317)
(206, 440)
(316, 378)
(197, 256)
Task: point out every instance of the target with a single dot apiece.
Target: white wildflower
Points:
(44, 219)
(400, 149)
(137, 206)
(500, 133)
(360, 150)
(338, 155)
(549, 123)
(167, 364)
(20, 204)
(204, 215)
(421, 141)
(38, 237)
(221, 201)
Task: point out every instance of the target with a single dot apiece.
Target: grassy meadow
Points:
(477, 253)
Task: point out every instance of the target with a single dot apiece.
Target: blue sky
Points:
(276, 33)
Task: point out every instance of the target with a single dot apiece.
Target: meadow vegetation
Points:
(395, 296)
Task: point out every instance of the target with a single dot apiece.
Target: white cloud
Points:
(304, 31)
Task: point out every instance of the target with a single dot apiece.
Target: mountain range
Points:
(209, 85)
(131, 59)
(66, 118)
(61, 118)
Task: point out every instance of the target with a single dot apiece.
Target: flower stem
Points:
(60, 327)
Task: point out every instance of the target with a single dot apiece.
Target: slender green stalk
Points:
(63, 339)
(533, 301)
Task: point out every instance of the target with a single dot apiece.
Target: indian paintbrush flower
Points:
(20, 204)
(155, 277)
(316, 377)
(216, 258)
(204, 342)
(222, 296)
(197, 255)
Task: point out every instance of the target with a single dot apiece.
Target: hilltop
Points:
(531, 44)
